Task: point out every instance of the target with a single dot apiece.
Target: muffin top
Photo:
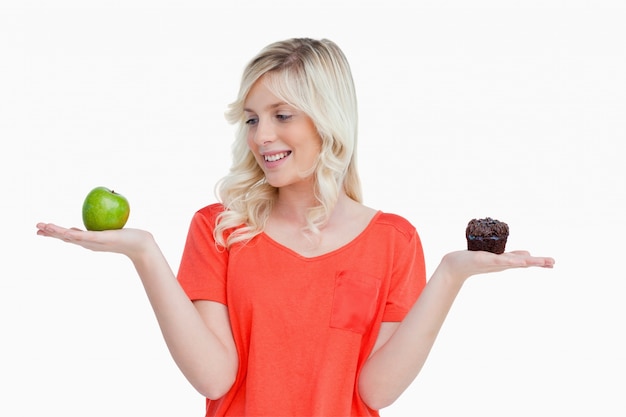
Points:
(486, 227)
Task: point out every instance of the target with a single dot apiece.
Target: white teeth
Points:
(275, 157)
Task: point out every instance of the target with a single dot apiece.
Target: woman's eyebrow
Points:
(271, 106)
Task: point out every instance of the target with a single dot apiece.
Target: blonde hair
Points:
(313, 76)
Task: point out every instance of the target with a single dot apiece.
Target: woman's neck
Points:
(292, 206)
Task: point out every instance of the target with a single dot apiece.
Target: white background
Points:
(514, 110)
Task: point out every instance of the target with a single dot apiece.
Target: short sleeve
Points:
(203, 267)
(408, 279)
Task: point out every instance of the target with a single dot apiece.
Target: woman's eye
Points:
(283, 117)
(251, 121)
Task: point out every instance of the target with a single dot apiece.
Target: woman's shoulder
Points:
(396, 222)
(379, 219)
(207, 215)
(212, 210)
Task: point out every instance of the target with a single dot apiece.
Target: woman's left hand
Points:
(465, 263)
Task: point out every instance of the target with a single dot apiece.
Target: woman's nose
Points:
(264, 133)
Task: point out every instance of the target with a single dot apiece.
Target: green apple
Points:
(104, 209)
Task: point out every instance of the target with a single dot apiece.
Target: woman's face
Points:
(283, 139)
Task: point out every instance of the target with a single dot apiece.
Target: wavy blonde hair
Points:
(313, 76)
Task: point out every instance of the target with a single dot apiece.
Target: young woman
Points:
(292, 297)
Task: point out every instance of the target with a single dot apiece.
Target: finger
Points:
(49, 227)
(52, 230)
(520, 252)
(41, 228)
(45, 229)
(540, 261)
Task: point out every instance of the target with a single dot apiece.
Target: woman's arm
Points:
(402, 348)
(198, 334)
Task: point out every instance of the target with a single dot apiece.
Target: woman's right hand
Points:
(129, 242)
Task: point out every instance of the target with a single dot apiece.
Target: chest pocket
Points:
(354, 301)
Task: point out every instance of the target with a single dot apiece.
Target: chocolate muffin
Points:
(487, 234)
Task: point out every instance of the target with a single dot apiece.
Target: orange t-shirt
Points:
(303, 326)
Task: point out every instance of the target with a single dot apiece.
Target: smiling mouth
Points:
(276, 157)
